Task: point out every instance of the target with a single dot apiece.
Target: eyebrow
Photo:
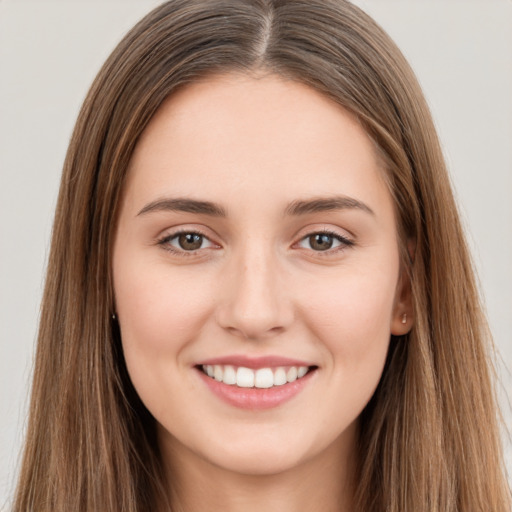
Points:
(184, 205)
(327, 204)
(296, 208)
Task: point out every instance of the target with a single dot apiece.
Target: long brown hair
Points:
(429, 438)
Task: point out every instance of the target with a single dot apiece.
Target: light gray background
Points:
(49, 54)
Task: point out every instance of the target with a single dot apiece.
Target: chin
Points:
(254, 451)
(257, 462)
(261, 450)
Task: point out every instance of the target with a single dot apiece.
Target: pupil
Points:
(190, 241)
(321, 241)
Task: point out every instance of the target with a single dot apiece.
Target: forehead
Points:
(233, 135)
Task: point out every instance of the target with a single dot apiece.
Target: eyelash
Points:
(344, 242)
(164, 242)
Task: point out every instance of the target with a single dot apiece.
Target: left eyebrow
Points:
(325, 204)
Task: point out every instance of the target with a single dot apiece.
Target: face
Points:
(256, 274)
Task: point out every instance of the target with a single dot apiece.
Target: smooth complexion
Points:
(256, 225)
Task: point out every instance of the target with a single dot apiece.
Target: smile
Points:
(262, 378)
(256, 384)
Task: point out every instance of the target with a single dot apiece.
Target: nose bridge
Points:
(255, 304)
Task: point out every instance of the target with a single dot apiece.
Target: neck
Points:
(322, 483)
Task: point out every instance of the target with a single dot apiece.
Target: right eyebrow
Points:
(180, 204)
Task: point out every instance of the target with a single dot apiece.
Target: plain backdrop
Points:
(50, 51)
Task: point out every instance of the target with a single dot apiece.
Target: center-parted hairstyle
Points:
(429, 438)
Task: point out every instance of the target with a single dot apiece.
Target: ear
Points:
(402, 318)
(403, 315)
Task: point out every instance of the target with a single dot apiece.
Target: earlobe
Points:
(403, 318)
(401, 323)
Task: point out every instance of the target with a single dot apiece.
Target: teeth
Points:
(280, 377)
(244, 378)
(301, 371)
(291, 374)
(229, 375)
(264, 378)
(218, 372)
(248, 378)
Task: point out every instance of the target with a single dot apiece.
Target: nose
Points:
(254, 301)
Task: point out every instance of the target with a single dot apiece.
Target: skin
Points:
(254, 145)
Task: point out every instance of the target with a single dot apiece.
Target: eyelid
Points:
(344, 241)
(170, 234)
(163, 240)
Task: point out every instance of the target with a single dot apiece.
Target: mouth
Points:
(256, 386)
(261, 378)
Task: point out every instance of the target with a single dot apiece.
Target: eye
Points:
(324, 241)
(186, 241)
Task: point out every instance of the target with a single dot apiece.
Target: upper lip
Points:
(254, 362)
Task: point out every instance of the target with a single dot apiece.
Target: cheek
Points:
(352, 324)
(352, 317)
(156, 305)
(160, 312)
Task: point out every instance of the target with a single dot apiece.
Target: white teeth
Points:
(229, 375)
(248, 378)
(244, 378)
(291, 374)
(280, 377)
(217, 372)
(302, 371)
(264, 378)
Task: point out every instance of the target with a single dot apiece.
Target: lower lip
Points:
(256, 398)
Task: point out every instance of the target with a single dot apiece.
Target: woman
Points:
(247, 300)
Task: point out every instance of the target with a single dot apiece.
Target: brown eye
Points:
(190, 241)
(186, 243)
(324, 241)
(320, 241)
